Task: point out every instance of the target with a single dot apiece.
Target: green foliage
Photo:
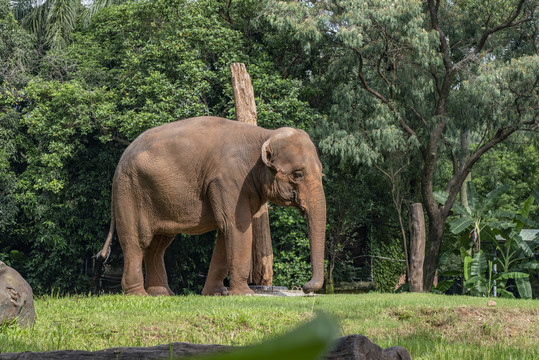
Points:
(410, 77)
(505, 165)
(292, 264)
(75, 92)
(187, 261)
(387, 264)
(310, 341)
(134, 66)
(514, 258)
(16, 53)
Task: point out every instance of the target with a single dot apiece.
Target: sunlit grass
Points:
(429, 326)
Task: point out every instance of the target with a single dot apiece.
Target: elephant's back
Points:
(189, 152)
(200, 132)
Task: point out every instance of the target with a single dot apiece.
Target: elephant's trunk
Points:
(316, 221)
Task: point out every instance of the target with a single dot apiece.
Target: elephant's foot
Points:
(312, 286)
(159, 291)
(241, 290)
(215, 290)
(139, 290)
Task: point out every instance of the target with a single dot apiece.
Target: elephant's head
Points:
(294, 178)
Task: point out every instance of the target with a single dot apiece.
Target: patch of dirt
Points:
(474, 325)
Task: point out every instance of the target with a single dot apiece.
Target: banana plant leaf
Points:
(522, 215)
(532, 265)
(467, 267)
(519, 245)
(479, 264)
(524, 287)
(506, 294)
(512, 275)
(460, 224)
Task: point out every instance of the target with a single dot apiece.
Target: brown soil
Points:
(475, 325)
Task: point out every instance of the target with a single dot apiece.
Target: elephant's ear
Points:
(267, 155)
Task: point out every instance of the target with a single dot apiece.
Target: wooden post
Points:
(262, 256)
(417, 248)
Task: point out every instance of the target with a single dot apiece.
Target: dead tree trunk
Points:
(418, 248)
(262, 256)
(350, 347)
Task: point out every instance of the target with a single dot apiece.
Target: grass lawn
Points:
(429, 326)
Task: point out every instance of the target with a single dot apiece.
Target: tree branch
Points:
(505, 25)
(366, 85)
(455, 184)
(435, 23)
(454, 159)
(382, 98)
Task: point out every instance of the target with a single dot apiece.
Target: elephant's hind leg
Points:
(156, 274)
(133, 279)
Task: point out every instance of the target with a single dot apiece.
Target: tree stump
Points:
(262, 255)
(417, 248)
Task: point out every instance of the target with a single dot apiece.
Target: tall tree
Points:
(54, 21)
(413, 75)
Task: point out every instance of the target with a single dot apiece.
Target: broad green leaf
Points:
(310, 341)
(467, 267)
(505, 294)
(477, 285)
(473, 280)
(460, 224)
(460, 209)
(479, 264)
(487, 234)
(535, 194)
(481, 287)
(443, 286)
(520, 245)
(532, 265)
(522, 222)
(525, 209)
(524, 287)
(512, 275)
(441, 197)
(450, 273)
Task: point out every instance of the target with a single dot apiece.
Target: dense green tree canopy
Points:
(412, 76)
(386, 88)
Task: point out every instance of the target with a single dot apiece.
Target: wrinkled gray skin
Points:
(16, 298)
(201, 174)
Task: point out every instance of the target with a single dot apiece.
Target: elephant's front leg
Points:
(239, 251)
(218, 269)
(233, 216)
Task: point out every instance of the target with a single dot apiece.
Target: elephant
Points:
(208, 173)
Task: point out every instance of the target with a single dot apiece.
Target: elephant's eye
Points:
(298, 175)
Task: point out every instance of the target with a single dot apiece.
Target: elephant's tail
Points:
(105, 252)
(102, 256)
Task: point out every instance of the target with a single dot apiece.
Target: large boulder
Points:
(16, 298)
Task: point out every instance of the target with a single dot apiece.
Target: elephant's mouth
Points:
(297, 204)
(301, 210)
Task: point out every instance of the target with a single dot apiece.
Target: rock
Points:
(359, 347)
(16, 298)
(491, 303)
